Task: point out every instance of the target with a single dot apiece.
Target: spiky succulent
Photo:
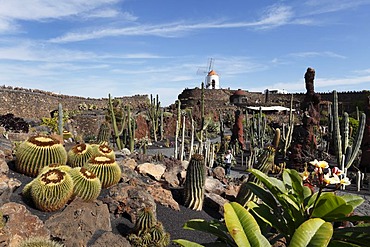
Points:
(51, 189)
(148, 232)
(145, 220)
(106, 169)
(86, 184)
(194, 183)
(39, 242)
(67, 135)
(39, 151)
(103, 150)
(104, 133)
(79, 154)
(55, 165)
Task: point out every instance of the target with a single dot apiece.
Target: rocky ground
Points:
(145, 182)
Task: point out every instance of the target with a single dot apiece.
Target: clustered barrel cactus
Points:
(39, 151)
(79, 154)
(39, 242)
(87, 185)
(106, 169)
(148, 231)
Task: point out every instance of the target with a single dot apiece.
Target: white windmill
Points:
(212, 80)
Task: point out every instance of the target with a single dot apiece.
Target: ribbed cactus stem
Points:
(194, 184)
(60, 119)
(175, 155)
(276, 140)
(104, 133)
(117, 133)
(345, 137)
(145, 220)
(336, 130)
(360, 134)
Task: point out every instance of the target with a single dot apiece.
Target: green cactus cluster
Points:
(87, 185)
(123, 124)
(148, 232)
(39, 242)
(39, 151)
(106, 169)
(154, 114)
(50, 190)
(345, 153)
(79, 154)
(194, 183)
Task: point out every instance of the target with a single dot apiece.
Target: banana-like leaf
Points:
(274, 185)
(186, 243)
(353, 200)
(313, 232)
(214, 227)
(242, 227)
(330, 206)
(297, 184)
(261, 193)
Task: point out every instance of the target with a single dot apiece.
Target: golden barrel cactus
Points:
(39, 151)
(106, 169)
(79, 154)
(87, 185)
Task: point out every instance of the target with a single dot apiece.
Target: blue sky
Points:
(127, 47)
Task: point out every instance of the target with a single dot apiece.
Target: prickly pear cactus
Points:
(39, 151)
(106, 169)
(194, 183)
(87, 185)
(79, 154)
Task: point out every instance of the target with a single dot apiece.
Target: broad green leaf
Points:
(268, 216)
(313, 232)
(214, 227)
(307, 192)
(274, 185)
(330, 206)
(353, 200)
(243, 227)
(264, 195)
(297, 184)
(186, 243)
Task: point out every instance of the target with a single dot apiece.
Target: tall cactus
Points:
(288, 135)
(194, 183)
(175, 155)
(341, 143)
(154, 112)
(60, 120)
(117, 132)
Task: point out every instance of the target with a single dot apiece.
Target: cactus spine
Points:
(39, 151)
(106, 169)
(194, 183)
(51, 190)
(79, 154)
(87, 186)
(148, 231)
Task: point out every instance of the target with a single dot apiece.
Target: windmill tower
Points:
(212, 80)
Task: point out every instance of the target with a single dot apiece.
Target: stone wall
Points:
(34, 104)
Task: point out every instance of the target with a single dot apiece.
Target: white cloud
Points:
(328, 6)
(317, 54)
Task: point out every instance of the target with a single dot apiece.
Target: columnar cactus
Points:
(79, 154)
(51, 189)
(104, 133)
(194, 184)
(87, 185)
(39, 151)
(106, 169)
